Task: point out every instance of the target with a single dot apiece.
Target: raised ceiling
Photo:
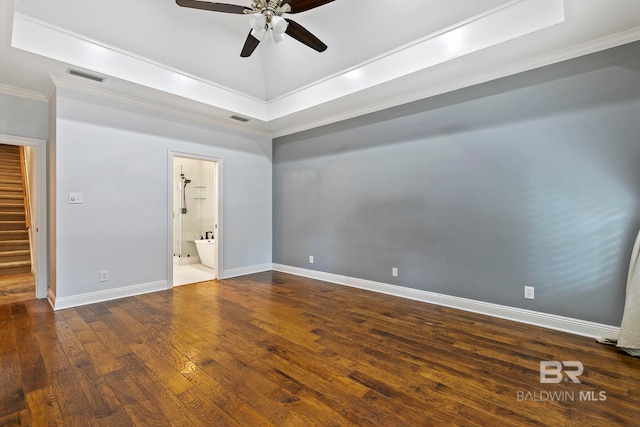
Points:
(154, 52)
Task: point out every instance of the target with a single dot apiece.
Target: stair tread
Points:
(16, 252)
(9, 264)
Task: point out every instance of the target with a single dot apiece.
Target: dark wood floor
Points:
(275, 349)
(17, 287)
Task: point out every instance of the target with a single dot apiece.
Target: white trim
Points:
(42, 38)
(506, 22)
(545, 320)
(106, 295)
(22, 93)
(554, 57)
(41, 249)
(243, 271)
(91, 88)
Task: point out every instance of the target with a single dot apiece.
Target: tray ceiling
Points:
(156, 52)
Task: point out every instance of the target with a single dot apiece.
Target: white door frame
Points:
(218, 210)
(41, 233)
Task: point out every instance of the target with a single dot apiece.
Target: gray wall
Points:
(118, 157)
(23, 117)
(528, 180)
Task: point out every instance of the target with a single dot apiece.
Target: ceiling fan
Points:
(267, 15)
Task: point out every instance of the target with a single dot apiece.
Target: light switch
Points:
(75, 198)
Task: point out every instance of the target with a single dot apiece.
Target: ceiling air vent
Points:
(84, 75)
(240, 119)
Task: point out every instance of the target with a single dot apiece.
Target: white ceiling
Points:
(186, 61)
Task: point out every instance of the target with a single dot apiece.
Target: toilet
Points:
(207, 252)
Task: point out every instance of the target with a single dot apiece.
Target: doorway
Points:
(195, 240)
(33, 283)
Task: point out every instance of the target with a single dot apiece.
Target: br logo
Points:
(554, 372)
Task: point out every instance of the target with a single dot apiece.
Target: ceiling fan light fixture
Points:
(278, 28)
(279, 24)
(258, 25)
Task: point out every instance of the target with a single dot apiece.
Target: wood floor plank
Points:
(16, 419)
(7, 336)
(171, 407)
(17, 288)
(44, 408)
(74, 405)
(34, 373)
(12, 396)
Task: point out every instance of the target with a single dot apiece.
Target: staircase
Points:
(15, 254)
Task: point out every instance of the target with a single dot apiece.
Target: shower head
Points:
(187, 181)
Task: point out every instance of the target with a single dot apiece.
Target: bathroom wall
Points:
(200, 203)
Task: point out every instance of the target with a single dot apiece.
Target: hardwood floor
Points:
(17, 287)
(276, 349)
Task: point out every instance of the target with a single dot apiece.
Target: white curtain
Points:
(629, 337)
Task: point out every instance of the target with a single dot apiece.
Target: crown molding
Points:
(22, 93)
(48, 40)
(509, 21)
(554, 57)
(145, 104)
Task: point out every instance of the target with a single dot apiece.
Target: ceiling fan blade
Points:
(249, 46)
(303, 35)
(302, 5)
(216, 7)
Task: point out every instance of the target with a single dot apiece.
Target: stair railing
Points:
(25, 187)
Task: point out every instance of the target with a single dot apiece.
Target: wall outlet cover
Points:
(529, 292)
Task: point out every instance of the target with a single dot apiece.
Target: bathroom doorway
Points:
(195, 234)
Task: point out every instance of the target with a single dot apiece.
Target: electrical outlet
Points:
(529, 292)
(104, 276)
(310, 259)
(394, 272)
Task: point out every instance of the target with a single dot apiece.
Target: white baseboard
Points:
(243, 271)
(106, 295)
(545, 320)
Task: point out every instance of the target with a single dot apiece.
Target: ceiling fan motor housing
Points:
(269, 9)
